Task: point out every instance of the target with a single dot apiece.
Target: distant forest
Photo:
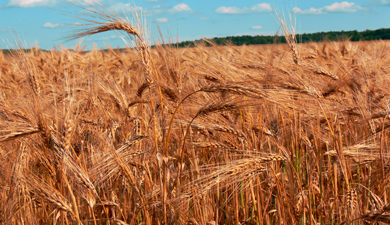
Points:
(368, 35)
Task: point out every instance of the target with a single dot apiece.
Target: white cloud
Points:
(155, 10)
(107, 37)
(52, 25)
(90, 2)
(162, 20)
(128, 9)
(343, 7)
(257, 8)
(256, 27)
(175, 9)
(227, 10)
(311, 11)
(204, 18)
(121, 7)
(181, 8)
(30, 3)
(56, 25)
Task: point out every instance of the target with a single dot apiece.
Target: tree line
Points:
(367, 35)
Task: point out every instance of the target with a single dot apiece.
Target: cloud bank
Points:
(343, 7)
(256, 27)
(155, 10)
(30, 3)
(162, 20)
(52, 25)
(41, 3)
(57, 25)
(257, 8)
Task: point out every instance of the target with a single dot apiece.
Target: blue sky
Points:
(41, 21)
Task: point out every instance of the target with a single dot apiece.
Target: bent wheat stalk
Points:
(115, 22)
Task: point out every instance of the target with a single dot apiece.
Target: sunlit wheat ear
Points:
(169, 93)
(47, 193)
(208, 144)
(290, 38)
(116, 23)
(377, 217)
(109, 168)
(71, 165)
(316, 182)
(18, 196)
(376, 203)
(18, 134)
(352, 200)
(20, 165)
(46, 162)
(111, 25)
(120, 222)
(301, 203)
(236, 171)
(142, 88)
(215, 107)
(212, 126)
(319, 70)
(68, 135)
(235, 89)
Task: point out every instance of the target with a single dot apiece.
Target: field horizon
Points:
(331, 36)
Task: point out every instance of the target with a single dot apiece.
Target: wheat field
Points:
(270, 134)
